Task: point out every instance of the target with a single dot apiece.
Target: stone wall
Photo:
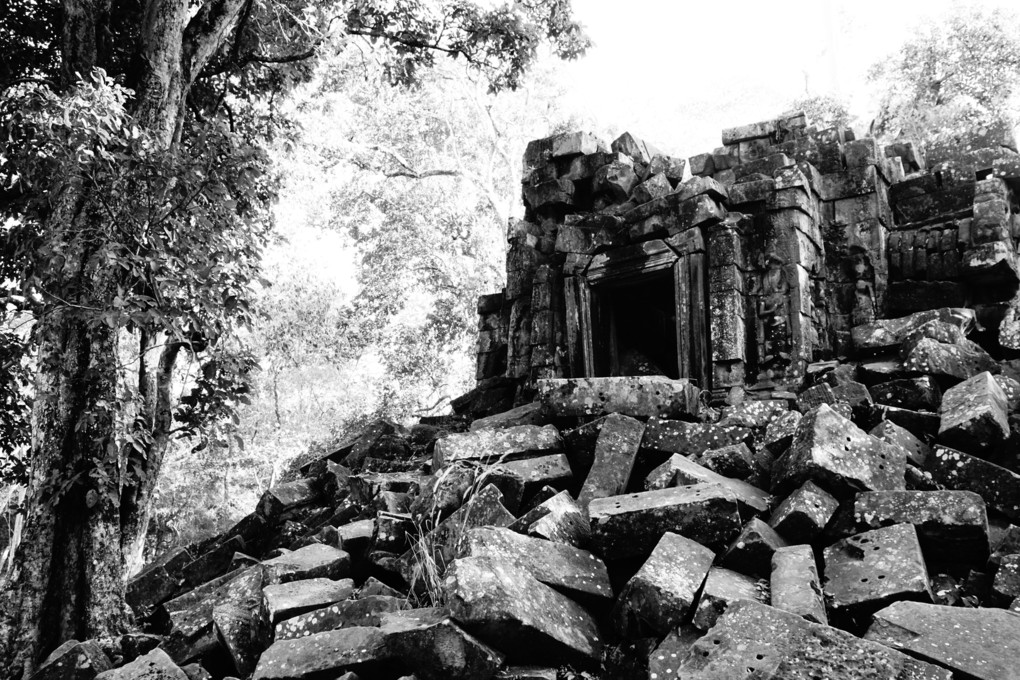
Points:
(778, 243)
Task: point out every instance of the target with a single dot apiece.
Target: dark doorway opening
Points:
(636, 329)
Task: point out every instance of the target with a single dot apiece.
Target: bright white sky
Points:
(675, 73)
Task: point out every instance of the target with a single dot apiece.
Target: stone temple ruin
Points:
(762, 263)
(759, 424)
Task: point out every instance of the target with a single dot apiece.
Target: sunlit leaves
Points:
(952, 75)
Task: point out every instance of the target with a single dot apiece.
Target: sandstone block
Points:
(312, 561)
(73, 660)
(891, 433)
(513, 611)
(364, 611)
(681, 471)
(1006, 585)
(570, 570)
(751, 552)
(952, 526)
(615, 452)
(662, 594)
(637, 396)
(946, 362)
(973, 415)
(752, 640)
(916, 394)
(155, 665)
(630, 525)
(486, 446)
(976, 643)
(795, 585)
(867, 571)
(284, 600)
(829, 448)
(999, 487)
(691, 439)
(722, 588)
(804, 513)
(559, 519)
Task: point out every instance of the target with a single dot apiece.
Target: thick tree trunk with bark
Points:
(68, 581)
(69, 576)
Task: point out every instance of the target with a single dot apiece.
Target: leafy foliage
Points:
(952, 75)
(825, 111)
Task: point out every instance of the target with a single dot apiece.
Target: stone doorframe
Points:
(684, 255)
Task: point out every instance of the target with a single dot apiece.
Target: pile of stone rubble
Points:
(860, 527)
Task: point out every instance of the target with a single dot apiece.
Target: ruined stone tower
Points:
(756, 266)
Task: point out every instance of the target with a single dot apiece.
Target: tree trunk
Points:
(143, 468)
(68, 582)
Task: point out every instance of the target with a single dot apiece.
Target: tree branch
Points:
(422, 175)
(206, 32)
(413, 43)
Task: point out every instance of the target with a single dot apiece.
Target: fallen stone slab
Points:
(973, 415)
(327, 654)
(552, 470)
(979, 643)
(795, 585)
(999, 487)
(916, 394)
(573, 571)
(664, 658)
(735, 461)
(364, 611)
(423, 641)
(160, 581)
(579, 444)
(866, 571)
(779, 432)
(722, 588)
(155, 665)
(1006, 585)
(635, 396)
(488, 446)
(284, 497)
(244, 631)
(191, 615)
(830, 449)
(804, 513)
(752, 641)
(886, 334)
(631, 525)
(560, 519)
(754, 414)
(526, 414)
(284, 600)
(73, 660)
(312, 561)
(511, 610)
(615, 452)
(891, 433)
(947, 363)
(952, 526)
(434, 647)
(662, 594)
(482, 509)
(681, 471)
(751, 552)
(691, 439)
